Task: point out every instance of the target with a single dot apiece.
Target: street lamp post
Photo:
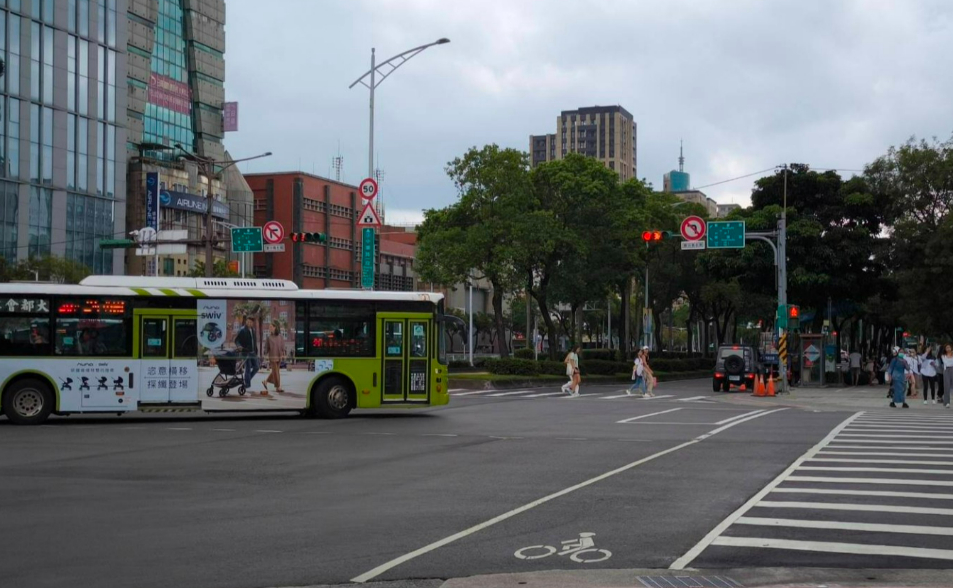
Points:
(207, 166)
(371, 81)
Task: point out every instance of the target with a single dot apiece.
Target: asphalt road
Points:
(491, 483)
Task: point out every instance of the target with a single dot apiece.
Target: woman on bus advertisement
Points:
(232, 350)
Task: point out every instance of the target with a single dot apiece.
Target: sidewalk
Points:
(837, 398)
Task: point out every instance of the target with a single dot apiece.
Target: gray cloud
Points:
(747, 84)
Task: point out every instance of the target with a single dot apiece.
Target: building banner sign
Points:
(184, 201)
(168, 93)
(152, 200)
(230, 117)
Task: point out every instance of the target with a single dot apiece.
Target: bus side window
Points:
(24, 336)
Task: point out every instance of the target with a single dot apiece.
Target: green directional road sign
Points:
(368, 258)
(247, 240)
(726, 234)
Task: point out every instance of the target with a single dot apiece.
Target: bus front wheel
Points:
(332, 399)
(28, 402)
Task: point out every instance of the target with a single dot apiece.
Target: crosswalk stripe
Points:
(882, 508)
(474, 392)
(885, 453)
(894, 470)
(851, 526)
(545, 394)
(906, 429)
(845, 480)
(833, 547)
(887, 436)
(869, 447)
(897, 461)
(580, 395)
(511, 393)
(619, 396)
(884, 493)
(658, 397)
(891, 441)
(692, 399)
(738, 416)
(908, 421)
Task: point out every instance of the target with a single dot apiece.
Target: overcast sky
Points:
(746, 84)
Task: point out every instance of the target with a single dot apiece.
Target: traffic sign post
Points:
(693, 229)
(726, 235)
(368, 188)
(247, 240)
(273, 232)
(368, 258)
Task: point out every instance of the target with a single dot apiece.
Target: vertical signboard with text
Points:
(368, 258)
(152, 200)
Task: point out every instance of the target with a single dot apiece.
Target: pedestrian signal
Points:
(794, 316)
(309, 237)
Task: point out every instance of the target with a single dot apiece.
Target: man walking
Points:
(247, 343)
(855, 360)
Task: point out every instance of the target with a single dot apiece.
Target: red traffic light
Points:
(794, 312)
(906, 334)
(647, 236)
(651, 236)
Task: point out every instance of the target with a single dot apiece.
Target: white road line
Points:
(885, 453)
(894, 470)
(545, 394)
(456, 389)
(924, 422)
(645, 416)
(890, 436)
(869, 527)
(438, 435)
(947, 449)
(658, 397)
(682, 562)
(507, 515)
(728, 420)
(693, 399)
(267, 431)
(511, 393)
(619, 396)
(179, 428)
(897, 461)
(891, 481)
(831, 547)
(474, 392)
(921, 430)
(883, 508)
(568, 397)
(885, 493)
(891, 441)
(229, 430)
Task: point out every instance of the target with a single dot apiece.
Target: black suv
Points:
(736, 365)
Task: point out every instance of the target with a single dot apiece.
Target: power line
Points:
(734, 179)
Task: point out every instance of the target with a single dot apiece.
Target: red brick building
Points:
(303, 202)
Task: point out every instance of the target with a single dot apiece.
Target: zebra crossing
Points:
(544, 394)
(876, 492)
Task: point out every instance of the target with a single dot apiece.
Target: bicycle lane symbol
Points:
(581, 550)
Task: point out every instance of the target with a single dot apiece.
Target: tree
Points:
(474, 238)
(48, 268)
(220, 269)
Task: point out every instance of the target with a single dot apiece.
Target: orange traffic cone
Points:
(759, 386)
(771, 386)
(743, 388)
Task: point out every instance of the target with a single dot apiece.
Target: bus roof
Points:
(204, 288)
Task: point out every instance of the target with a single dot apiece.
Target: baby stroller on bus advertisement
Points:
(247, 356)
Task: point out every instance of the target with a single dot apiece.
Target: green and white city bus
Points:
(115, 344)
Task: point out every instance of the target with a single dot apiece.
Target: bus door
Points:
(406, 353)
(168, 351)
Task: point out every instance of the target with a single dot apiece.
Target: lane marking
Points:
(869, 447)
(740, 416)
(545, 394)
(690, 555)
(884, 508)
(511, 393)
(898, 461)
(869, 527)
(475, 392)
(891, 481)
(863, 469)
(658, 397)
(531, 505)
(456, 389)
(892, 441)
(505, 438)
(694, 399)
(439, 435)
(267, 431)
(568, 397)
(179, 428)
(223, 430)
(891, 436)
(886, 493)
(831, 547)
(886, 453)
(645, 416)
(619, 396)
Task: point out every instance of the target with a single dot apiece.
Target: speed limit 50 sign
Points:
(368, 188)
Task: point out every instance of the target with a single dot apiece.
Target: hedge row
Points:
(528, 367)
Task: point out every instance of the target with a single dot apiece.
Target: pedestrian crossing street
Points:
(877, 492)
(619, 394)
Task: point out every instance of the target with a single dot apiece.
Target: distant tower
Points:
(677, 181)
(337, 163)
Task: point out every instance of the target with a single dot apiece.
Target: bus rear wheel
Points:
(332, 399)
(28, 402)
